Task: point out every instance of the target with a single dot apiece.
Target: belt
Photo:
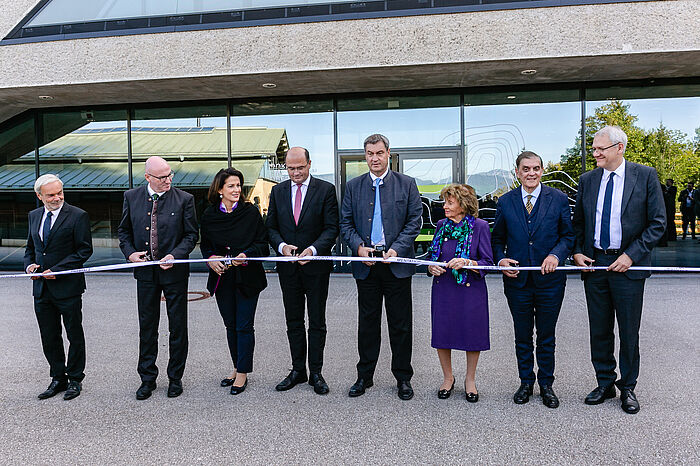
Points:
(608, 252)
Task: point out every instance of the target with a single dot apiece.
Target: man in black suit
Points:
(533, 227)
(302, 219)
(381, 217)
(618, 219)
(159, 223)
(688, 202)
(59, 239)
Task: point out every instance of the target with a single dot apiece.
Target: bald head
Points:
(298, 164)
(158, 174)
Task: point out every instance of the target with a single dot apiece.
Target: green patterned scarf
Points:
(462, 232)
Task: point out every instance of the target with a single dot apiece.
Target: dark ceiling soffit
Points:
(650, 82)
(263, 17)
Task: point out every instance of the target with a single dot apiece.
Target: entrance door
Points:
(432, 168)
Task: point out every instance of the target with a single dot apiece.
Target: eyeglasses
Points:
(162, 178)
(601, 149)
(297, 169)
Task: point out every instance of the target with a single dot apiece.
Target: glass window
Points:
(17, 176)
(262, 131)
(663, 133)
(191, 139)
(74, 11)
(498, 126)
(87, 149)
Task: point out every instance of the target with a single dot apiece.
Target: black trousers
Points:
(298, 290)
(148, 295)
(689, 223)
(611, 295)
(238, 313)
(535, 308)
(49, 311)
(396, 292)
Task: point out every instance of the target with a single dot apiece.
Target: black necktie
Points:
(605, 217)
(47, 226)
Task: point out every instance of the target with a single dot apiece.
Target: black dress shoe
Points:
(549, 398)
(145, 390)
(319, 384)
(405, 389)
(227, 382)
(445, 394)
(630, 405)
(471, 397)
(600, 394)
(523, 394)
(174, 388)
(236, 389)
(73, 390)
(55, 387)
(294, 377)
(359, 387)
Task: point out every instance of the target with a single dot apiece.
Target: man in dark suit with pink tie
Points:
(618, 219)
(302, 220)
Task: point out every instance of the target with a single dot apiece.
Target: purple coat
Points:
(460, 313)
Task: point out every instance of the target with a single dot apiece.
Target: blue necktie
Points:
(605, 218)
(47, 226)
(377, 219)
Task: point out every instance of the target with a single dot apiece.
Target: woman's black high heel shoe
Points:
(445, 394)
(471, 397)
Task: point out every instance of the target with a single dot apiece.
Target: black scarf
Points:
(229, 234)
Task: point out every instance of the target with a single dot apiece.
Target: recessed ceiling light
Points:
(510, 97)
(528, 72)
(45, 97)
(269, 85)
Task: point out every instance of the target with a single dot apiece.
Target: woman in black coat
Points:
(233, 228)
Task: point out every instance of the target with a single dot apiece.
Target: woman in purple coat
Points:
(459, 304)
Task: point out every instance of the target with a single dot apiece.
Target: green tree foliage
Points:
(670, 151)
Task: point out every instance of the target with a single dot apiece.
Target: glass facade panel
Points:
(17, 197)
(192, 140)
(496, 132)
(261, 134)
(407, 121)
(663, 133)
(88, 150)
(77, 11)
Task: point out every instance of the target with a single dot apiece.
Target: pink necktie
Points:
(297, 204)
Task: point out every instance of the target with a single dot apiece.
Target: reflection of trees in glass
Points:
(670, 151)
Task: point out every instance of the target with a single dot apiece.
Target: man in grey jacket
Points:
(381, 217)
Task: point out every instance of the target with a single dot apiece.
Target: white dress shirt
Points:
(54, 216)
(304, 188)
(535, 194)
(151, 192)
(615, 208)
(381, 182)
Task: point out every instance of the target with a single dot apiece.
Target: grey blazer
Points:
(401, 218)
(643, 214)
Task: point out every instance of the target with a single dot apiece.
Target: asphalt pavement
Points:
(106, 424)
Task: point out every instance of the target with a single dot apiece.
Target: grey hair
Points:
(526, 154)
(614, 133)
(376, 138)
(45, 179)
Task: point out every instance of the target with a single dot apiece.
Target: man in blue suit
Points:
(381, 216)
(533, 228)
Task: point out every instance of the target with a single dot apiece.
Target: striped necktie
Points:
(528, 204)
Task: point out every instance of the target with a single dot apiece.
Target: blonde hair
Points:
(465, 196)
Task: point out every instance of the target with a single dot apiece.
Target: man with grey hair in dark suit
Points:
(381, 217)
(59, 239)
(618, 219)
